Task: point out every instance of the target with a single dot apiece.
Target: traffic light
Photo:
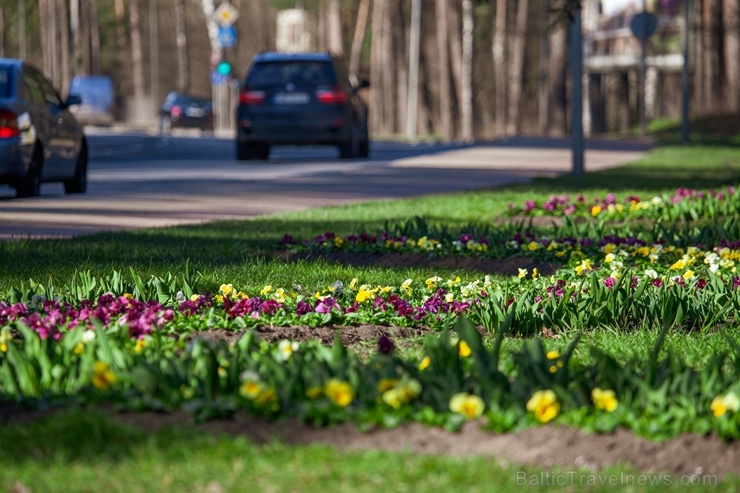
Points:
(224, 68)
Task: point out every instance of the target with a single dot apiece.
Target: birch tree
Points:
(445, 109)
(466, 113)
(731, 16)
(358, 39)
(514, 122)
(137, 63)
(335, 43)
(499, 67)
(183, 70)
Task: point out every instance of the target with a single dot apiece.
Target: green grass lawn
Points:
(73, 452)
(77, 452)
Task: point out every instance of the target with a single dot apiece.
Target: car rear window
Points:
(6, 81)
(93, 91)
(300, 73)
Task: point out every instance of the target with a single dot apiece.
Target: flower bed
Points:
(145, 344)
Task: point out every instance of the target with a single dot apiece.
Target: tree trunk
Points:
(334, 27)
(514, 122)
(94, 39)
(466, 113)
(137, 65)
(2, 31)
(401, 64)
(65, 67)
(377, 60)
(455, 50)
(499, 67)
(359, 37)
(388, 74)
(445, 109)
(181, 40)
(557, 124)
(731, 15)
(49, 39)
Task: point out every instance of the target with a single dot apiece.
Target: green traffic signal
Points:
(224, 68)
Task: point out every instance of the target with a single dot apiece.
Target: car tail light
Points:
(251, 97)
(8, 125)
(176, 111)
(331, 96)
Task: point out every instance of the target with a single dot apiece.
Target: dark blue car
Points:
(40, 140)
(300, 99)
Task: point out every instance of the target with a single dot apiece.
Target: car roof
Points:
(10, 62)
(274, 56)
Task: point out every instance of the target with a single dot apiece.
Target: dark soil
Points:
(545, 446)
(349, 335)
(393, 260)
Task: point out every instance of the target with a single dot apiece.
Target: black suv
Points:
(300, 99)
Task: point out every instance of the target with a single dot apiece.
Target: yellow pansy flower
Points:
(432, 282)
(544, 404)
(338, 241)
(102, 376)
(386, 384)
(353, 283)
(406, 286)
(226, 289)
(723, 403)
(250, 389)
(605, 400)
(522, 273)
(680, 264)
(584, 268)
(532, 246)
(469, 405)
(688, 275)
(535, 273)
(314, 392)
(463, 349)
(595, 210)
(425, 362)
(339, 392)
(364, 294)
(266, 290)
(552, 355)
(266, 397)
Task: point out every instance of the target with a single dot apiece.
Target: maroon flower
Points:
(385, 345)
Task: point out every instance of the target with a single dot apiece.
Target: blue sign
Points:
(227, 36)
(643, 25)
(217, 78)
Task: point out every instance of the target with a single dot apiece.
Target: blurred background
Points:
(482, 69)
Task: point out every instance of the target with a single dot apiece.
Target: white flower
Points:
(180, 297)
(651, 273)
(286, 349)
(88, 336)
(249, 376)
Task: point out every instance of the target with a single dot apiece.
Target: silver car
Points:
(40, 140)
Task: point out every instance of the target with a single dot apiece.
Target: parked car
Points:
(40, 139)
(98, 100)
(184, 111)
(300, 99)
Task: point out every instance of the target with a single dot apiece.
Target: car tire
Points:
(263, 152)
(364, 147)
(78, 184)
(31, 184)
(245, 152)
(350, 148)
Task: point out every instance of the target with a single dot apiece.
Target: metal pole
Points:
(643, 70)
(413, 90)
(685, 89)
(576, 71)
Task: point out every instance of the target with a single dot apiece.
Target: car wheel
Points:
(263, 152)
(245, 152)
(350, 148)
(78, 184)
(364, 150)
(31, 184)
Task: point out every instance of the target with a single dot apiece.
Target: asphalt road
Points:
(138, 180)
